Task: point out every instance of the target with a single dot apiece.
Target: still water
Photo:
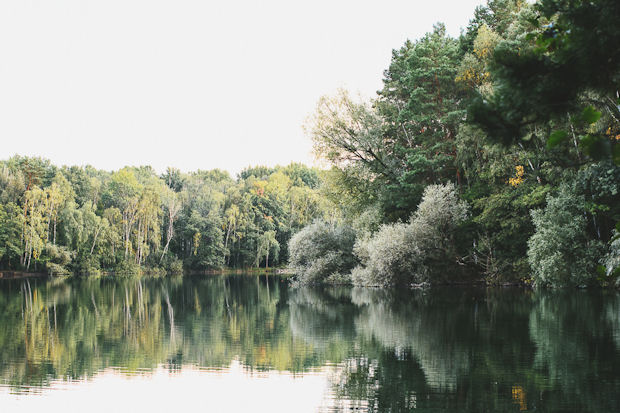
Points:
(247, 343)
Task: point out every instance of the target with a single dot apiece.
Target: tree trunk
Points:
(92, 248)
(169, 235)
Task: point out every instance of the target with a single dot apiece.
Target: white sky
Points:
(191, 84)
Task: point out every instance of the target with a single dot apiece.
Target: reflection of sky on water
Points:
(232, 389)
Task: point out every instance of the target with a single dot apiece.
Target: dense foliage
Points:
(408, 253)
(560, 252)
(523, 103)
(322, 251)
(82, 220)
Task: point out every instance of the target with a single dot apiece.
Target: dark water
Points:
(231, 343)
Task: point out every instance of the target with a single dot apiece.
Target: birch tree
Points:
(172, 206)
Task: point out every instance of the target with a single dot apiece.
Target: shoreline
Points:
(285, 272)
(14, 275)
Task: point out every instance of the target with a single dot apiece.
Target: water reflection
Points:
(376, 350)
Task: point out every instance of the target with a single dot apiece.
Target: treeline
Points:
(497, 151)
(494, 153)
(82, 220)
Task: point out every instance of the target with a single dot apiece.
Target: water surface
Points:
(244, 343)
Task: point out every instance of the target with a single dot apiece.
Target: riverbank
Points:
(9, 275)
(252, 271)
(260, 271)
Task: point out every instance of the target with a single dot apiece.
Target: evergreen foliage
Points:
(524, 102)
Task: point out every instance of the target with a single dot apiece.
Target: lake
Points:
(248, 343)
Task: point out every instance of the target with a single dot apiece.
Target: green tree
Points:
(420, 103)
(172, 205)
(11, 226)
(35, 226)
(267, 243)
(123, 193)
(566, 64)
(560, 252)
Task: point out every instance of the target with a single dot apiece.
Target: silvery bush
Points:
(322, 252)
(611, 261)
(403, 253)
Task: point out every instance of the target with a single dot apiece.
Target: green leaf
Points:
(590, 115)
(596, 146)
(601, 270)
(587, 142)
(615, 154)
(556, 137)
(544, 42)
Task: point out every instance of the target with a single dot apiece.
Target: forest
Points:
(493, 156)
(497, 151)
(131, 221)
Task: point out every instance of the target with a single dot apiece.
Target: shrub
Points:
(321, 250)
(59, 258)
(172, 265)
(128, 268)
(154, 271)
(56, 269)
(88, 266)
(441, 209)
(405, 253)
(560, 252)
(611, 261)
(390, 257)
(175, 267)
(368, 222)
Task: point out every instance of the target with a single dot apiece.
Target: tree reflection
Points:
(453, 349)
(387, 350)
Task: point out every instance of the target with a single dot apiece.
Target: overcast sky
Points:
(191, 84)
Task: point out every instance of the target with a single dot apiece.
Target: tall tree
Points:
(172, 205)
